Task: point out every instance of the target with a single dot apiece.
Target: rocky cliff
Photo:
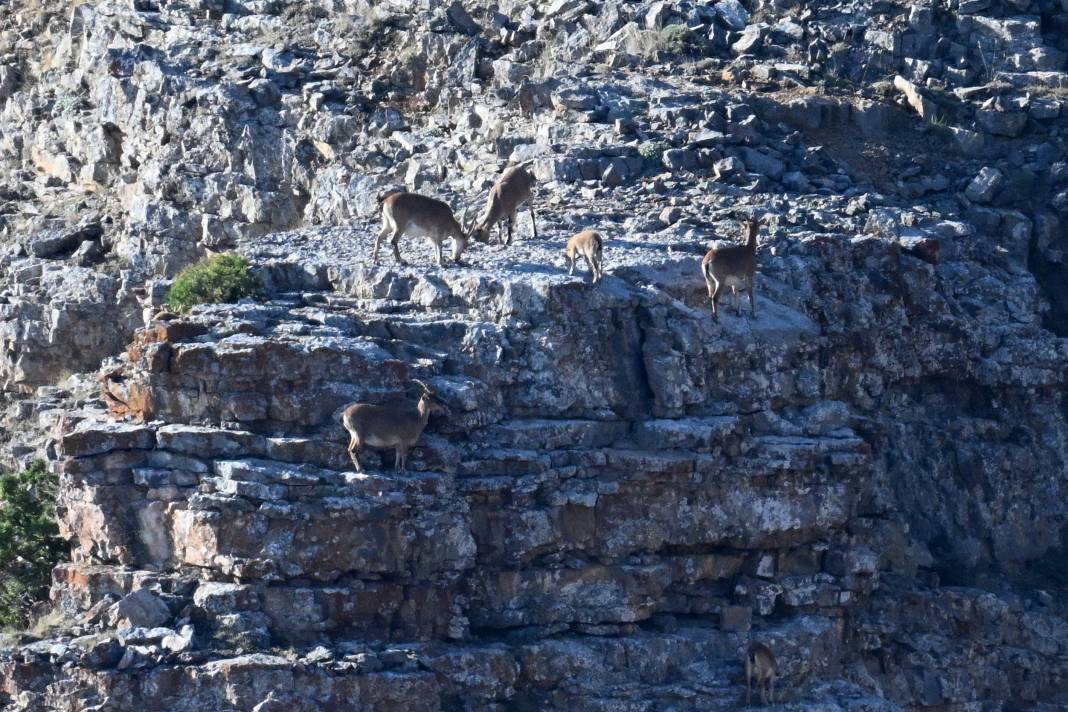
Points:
(868, 475)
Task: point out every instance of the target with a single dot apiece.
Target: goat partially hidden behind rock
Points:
(732, 266)
(588, 245)
(760, 667)
(390, 426)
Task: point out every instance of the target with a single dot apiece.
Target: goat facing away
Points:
(510, 191)
(760, 667)
(588, 245)
(733, 266)
(411, 213)
(395, 426)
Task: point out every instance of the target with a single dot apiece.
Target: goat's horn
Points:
(422, 385)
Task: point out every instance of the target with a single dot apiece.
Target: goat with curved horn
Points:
(733, 266)
(390, 426)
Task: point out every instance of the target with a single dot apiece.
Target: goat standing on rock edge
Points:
(588, 245)
(385, 426)
(733, 266)
(510, 191)
(413, 213)
(760, 667)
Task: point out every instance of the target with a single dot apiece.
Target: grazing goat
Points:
(508, 193)
(586, 244)
(406, 213)
(760, 667)
(732, 266)
(383, 426)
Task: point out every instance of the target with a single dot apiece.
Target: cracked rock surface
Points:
(868, 475)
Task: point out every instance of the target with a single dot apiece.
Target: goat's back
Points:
(415, 209)
(730, 261)
(585, 242)
(513, 187)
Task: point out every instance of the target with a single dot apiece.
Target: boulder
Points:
(985, 185)
(142, 608)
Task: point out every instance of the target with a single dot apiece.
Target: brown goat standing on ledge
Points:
(733, 266)
(510, 191)
(395, 426)
(588, 245)
(760, 667)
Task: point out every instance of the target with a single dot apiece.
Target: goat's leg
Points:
(459, 244)
(399, 457)
(394, 242)
(752, 304)
(438, 250)
(378, 241)
(592, 266)
(764, 692)
(771, 685)
(533, 225)
(748, 690)
(572, 260)
(715, 300)
(511, 224)
(354, 446)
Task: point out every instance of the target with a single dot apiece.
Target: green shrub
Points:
(218, 279)
(653, 151)
(29, 541)
(674, 38)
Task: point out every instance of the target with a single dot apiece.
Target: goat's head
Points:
(430, 398)
(752, 223)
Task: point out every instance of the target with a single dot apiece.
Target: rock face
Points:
(867, 476)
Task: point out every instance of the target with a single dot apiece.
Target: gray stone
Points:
(728, 167)
(461, 19)
(737, 619)
(750, 41)
(57, 241)
(985, 186)
(1002, 123)
(968, 7)
(179, 642)
(143, 609)
(760, 162)
(733, 14)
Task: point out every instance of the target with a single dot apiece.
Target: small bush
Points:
(653, 151)
(674, 38)
(213, 280)
(29, 542)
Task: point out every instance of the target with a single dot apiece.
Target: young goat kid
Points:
(732, 266)
(760, 667)
(508, 193)
(586, 244)
(396, 425)
(408, 213)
